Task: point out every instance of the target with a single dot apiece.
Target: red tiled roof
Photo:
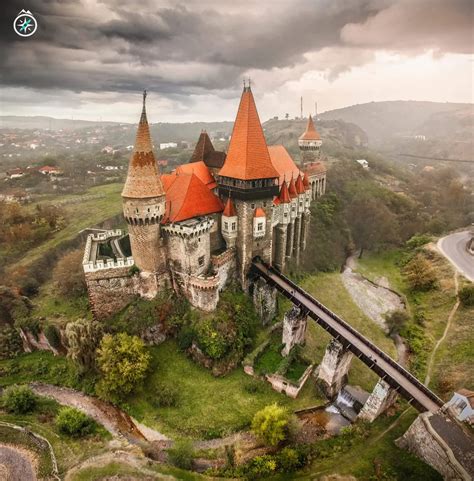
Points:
(248, 156)
(229, 209)
(310, 133)
(143, 178)
(315, 168)
(188, 197)
(292, 189)
(205, 152)
(259, 212)
(276, 201)
(284, 194)
(283, 162)
(299, 185)
(201, 170)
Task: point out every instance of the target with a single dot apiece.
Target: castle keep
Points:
(200, 226)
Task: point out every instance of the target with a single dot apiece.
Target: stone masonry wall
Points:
(110, 290)
(184, 253)
(147, 249)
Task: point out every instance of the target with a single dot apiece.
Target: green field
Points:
(79, 215)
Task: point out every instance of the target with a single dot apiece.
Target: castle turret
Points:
(229, 223)
(144, 203)
(250, 178)
(310, 144)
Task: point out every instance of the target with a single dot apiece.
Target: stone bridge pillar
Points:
(294, 329)
(265, 300)
(280, 246)
(382, 397)
(290, 239)
(332, 372)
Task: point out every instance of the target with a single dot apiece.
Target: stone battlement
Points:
(192, 228)
(109, 264)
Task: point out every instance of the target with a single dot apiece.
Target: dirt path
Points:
(16, 464)
(375, 300)
(446, 330)
(118, 423)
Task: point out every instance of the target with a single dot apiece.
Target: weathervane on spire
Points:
(144, 96)
(247, 83)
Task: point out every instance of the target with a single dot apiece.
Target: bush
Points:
(396, 320)
(466, 295)
(181, 454)
(19, 399)
(270, 424)
(290, 460)
(74, 423)
(418, 241)
(124, 362)
(165, 396)
(52, 335)
(420, 274)
(10, 342)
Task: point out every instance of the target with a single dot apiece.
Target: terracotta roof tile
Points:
(315, 168)
(143, 178)
(201, 170)
(248, 156)
(284, 194)
(229, 209)
(283, 163)
(276, 201)
(188, 197)
(259, 212)
(292, 189)
(310, 133)
(299, 185)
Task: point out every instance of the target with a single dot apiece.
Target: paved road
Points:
(453, 247)
(15, 466)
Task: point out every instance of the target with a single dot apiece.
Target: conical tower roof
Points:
(143, 178)
(292, 189)
(205, 152)
(284, 194)
(229, 209)
(310, 133)
(248, 157)
(299, 185)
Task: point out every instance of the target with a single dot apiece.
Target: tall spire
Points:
(248, 157)
(310, 133)
(143, 178)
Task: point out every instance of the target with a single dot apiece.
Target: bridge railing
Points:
(354, 332)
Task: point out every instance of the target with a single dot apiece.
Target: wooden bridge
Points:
(389, 370)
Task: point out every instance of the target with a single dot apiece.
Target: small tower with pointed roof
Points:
(250, 179)
(310, 144)
(144, 206)
(229, 224)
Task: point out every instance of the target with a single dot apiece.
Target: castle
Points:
(198, 227)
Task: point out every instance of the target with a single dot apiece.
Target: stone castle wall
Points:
(147, 247)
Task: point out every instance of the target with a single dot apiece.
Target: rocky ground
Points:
(16, 464)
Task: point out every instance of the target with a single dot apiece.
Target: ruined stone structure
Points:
(294, 329)
(200, 226)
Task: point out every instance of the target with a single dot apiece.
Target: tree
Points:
(83, 338)
(270, 424)
(396, 320)
(466, 295)
(73, 422)
(68, 274)
(19, 399)
(124, 362)
(420, 273)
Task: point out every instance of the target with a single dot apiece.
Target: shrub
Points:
(420, 274)
(418, 240)
(74, 423)
(19, 399)
(134, 270)
(123, 361)
(466, 295)
(10, 342)
(289, 460)
(185, 338)
(181, 454)
(261, 466)
(270, 424)
(83, 338)
(52, 335)
(396, 320)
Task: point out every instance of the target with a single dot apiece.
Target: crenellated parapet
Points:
(189, 229)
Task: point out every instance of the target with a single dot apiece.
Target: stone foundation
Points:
(441, 443)
(332, 372)
(294, 329)
(382, 397)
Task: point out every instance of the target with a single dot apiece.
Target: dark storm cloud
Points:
(196, 47)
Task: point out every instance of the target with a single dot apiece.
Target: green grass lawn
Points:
(329, 289)
(69, 451)
(79, 216)
(206, 406)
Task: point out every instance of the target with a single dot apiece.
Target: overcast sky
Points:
(90, 59)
